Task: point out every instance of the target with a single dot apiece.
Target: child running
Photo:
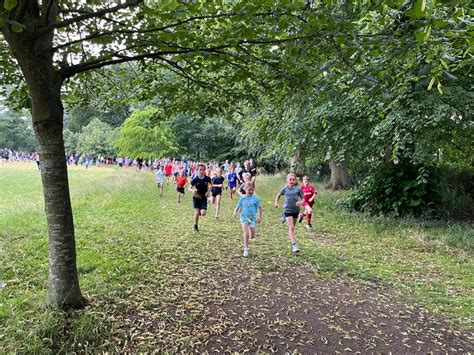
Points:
(251, 214)
(217, 183)
(200, 187)
(159, 177)
(247, 178)
(181, 182)
(291, 208)
(309, 193)
(231, 182)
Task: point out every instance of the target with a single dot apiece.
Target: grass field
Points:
(149, 278)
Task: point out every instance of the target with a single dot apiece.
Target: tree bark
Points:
(341, 179)
(297, 165)
(44, 86)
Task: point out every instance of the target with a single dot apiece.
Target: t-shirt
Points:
(232, 179)
(168, 169)
(181, 181)
(159, 176)
(202, 185)
(249, 204)
(292, 195)
(308, 192)
(217, 180)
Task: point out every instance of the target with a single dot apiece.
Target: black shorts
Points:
(216, 192)
(180, 190)
(200, 203)
(294, 215)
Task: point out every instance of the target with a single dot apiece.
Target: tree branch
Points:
(50, 27)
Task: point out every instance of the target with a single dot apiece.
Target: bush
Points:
(400, 190)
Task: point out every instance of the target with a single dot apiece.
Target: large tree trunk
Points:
(44, 85)
(63, 282)
(340, 176)
(297, 165)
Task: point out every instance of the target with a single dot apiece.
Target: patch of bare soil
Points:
(282, 311)
(292, 311)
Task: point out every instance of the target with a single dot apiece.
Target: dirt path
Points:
(285, 311)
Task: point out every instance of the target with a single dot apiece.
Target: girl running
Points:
(291, 208)
(217, 183)
(251, 213)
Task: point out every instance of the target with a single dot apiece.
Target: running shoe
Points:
(246, 252)
(294, 248)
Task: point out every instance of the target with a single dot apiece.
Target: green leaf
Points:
(423, 35)
(10, 4)
(418, 10)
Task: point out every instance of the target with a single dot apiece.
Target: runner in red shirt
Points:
(181, 182)
(168, 172)
(309, 194)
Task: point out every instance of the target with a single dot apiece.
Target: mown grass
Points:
(135, 248)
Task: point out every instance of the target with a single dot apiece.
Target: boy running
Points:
(181, 182)
(309, 195)
(200, 187)
(231, 182)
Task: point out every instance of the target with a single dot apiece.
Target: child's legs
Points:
(203, 212)
(308, 211)
(218, 204)
(290, 221)
(253, 232)
(196, 216)
(246, 230)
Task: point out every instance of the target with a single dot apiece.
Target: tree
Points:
(206, 139)
(140, 138)
(16, 133)
(96, 139)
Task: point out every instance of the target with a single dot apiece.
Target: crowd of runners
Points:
(208, 182)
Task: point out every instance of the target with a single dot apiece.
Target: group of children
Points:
(204, 188)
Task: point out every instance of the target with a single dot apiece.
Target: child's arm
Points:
(236, 211)
(209, 188)
(314, 196)
(259, 217)
(277, 198)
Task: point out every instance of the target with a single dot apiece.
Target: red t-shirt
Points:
(308, 192)
(168, 169)
(181, 181)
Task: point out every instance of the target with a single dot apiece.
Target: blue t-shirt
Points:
(249, 204)
(232, 179)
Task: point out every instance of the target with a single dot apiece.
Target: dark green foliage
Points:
(398, 189)
(209, 139)
(81, 116)
(16, 134)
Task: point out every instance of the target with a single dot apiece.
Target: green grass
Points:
(136, 252)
